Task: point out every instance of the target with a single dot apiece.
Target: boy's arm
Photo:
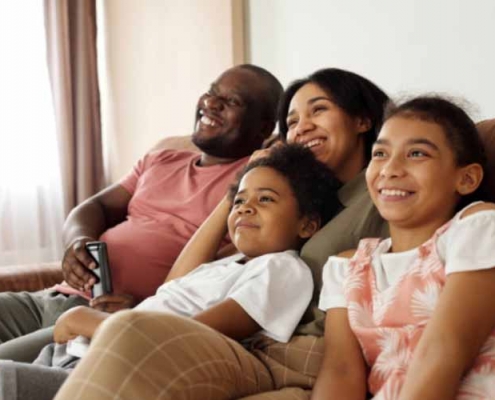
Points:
(461, 322)
(204, 244)
(342, 374)
(78, 321)
(229, 318)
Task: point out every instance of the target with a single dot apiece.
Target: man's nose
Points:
(212, 102)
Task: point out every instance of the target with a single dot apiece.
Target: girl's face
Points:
(265, 215)
(334, 137)
(412, 177)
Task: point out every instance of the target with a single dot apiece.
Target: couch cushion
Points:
(487, 132)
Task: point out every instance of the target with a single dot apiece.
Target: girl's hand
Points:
(77, 321)
(111, 303)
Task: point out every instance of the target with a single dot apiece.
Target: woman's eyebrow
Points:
(310, 101)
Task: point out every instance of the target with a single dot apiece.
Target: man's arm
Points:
(204, 244)
(86, 222)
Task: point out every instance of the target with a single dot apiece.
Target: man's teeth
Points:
(394, 192)
(314, 142)
(207, 121)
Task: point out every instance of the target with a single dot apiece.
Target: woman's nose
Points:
(304, 125)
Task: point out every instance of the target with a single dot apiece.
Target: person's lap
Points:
(27, 319)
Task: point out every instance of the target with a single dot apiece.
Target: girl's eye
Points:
(378, 154)
(266, 199)
(238, 201)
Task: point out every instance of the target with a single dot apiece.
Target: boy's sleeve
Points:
(275, 293)
(332, 293)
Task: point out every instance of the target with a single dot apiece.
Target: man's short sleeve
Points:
(275, 292)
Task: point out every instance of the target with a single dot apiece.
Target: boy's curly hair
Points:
(313, 184)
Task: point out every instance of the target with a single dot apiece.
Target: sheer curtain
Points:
(31, 200)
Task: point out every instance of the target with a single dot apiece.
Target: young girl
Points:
(278, 204)
(412, 316)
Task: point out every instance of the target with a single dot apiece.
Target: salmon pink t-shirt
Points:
(171, 197)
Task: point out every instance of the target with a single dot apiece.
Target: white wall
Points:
(404, 46)
(156, 57)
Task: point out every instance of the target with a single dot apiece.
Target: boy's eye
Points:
(417, 153)
(266, 199)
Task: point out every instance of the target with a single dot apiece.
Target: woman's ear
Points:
(469, 179)
(363, 124)
(309, 227)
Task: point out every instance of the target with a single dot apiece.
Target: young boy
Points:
(279, 202)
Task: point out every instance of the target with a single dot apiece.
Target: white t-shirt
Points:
(274, 289)
(468, 245)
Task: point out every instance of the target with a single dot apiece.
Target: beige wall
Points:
(156, 58)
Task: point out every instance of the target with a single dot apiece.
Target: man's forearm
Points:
(87, 220)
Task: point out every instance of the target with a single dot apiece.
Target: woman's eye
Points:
(291, 123)
(318, 109)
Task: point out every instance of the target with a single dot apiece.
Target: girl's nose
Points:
(245, 208)
(392, 168)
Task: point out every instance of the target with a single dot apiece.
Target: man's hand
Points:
(77, 263)
(111, 303)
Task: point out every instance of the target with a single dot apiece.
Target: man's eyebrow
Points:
(311, 101)
(424, 141)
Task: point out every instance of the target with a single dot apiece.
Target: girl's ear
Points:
(469, 179)
(308, 228)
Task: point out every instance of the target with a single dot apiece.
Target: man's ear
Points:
(267, 128)
(309, 227)
(469, 179)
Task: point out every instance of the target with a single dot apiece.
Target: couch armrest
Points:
(31, 277)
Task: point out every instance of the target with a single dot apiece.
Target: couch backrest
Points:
(487, 132)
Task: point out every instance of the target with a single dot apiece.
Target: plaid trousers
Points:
(150, 356)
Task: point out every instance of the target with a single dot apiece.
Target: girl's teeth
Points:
(388, 192)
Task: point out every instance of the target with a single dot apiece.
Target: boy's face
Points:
(265, 215)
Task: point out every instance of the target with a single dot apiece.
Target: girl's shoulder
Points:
(476, 208)
(347, 254)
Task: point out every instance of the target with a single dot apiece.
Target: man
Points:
(149, 216)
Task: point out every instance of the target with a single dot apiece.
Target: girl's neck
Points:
(408, 238)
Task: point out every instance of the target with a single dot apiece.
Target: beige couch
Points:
(38, 276)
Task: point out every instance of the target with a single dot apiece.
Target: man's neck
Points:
(208, 160)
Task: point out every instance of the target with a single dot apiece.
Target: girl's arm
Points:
(460, 324)
(204, 244)
(229, 318)
(342, 374)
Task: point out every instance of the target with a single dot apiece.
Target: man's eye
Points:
(232, 101)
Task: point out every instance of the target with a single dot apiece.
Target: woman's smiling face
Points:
(334, 137)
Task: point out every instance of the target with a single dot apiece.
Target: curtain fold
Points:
(70, 27)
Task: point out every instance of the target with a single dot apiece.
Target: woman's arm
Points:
(460, 324)
(204, 244)
(342, 374)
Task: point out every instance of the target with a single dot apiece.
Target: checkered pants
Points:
(151, 356)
